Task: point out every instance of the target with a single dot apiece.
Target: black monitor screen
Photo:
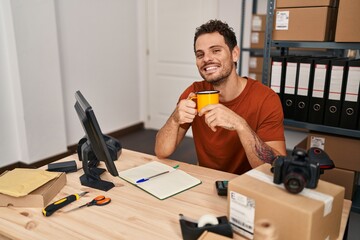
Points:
(97, 147)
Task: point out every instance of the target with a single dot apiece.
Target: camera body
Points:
(302, 169)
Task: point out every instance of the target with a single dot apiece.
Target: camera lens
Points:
(294, 182)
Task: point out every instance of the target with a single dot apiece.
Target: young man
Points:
(241, 132)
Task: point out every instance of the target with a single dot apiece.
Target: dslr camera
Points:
(302, 169)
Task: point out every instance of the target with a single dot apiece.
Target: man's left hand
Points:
(217, 115)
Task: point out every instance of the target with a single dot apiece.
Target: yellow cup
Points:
(204, 98)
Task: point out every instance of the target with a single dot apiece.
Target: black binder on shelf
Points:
(290, 84)
(351, 104)
(336, 92)
(277, 78)
(304, 88)
(319, 91)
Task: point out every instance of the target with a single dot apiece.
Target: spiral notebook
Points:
(160, 180)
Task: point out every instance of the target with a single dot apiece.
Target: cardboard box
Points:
(253, 197)
(258, 23)
(306, 3)
(305, 24)
(212, 236)
(342, 177)
(347, 28)
(343, 151)
(256, 64)
(256, 76)
(37, 198)
(257, 39)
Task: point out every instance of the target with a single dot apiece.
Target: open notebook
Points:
(162, 186)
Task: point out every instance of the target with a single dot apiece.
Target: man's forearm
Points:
(257, 151)
(167, 138)
(262, 151)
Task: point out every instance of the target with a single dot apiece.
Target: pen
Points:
(145, 179)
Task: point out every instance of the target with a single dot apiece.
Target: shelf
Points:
(323, 128)
(327, 45)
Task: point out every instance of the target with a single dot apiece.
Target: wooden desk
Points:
(132, 213)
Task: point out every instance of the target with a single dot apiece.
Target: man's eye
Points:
(199, 55)
(216, 50)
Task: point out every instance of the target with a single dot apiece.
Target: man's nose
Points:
(208, 57)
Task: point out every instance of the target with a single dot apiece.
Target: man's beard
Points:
(218, 80)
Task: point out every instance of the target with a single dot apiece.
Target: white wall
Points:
(32, 91)
(99, 56)
(50, 49)
(9, 80)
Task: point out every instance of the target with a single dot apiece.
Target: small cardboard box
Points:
(347, 28)
(306, 3)
(256, 64)
(40, 197)
(256, 76)
(312, 214)
(257, 40)
(258, 23)
(342, 177)
(343, 151)
(316, 24)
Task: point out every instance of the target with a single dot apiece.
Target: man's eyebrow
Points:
(216, 46)
(211, 47)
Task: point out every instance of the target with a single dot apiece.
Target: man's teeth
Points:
(210, 68)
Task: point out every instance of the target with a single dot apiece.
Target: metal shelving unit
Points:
(241, 41)
(336, 49)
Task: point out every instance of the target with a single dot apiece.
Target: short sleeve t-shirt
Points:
(259, 105)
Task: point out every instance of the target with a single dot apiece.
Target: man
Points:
(241, 132)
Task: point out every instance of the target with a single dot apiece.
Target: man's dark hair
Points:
(220, 27)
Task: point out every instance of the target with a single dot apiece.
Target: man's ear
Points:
(236, 53)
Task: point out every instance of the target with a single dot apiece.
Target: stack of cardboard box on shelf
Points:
(306, 20)
(321, 90)
(317, 20)
(257, 38)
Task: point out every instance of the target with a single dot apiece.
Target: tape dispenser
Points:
(192, 229)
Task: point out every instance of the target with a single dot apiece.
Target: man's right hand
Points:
(185, 111)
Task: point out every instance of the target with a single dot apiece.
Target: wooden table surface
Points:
(132, 213)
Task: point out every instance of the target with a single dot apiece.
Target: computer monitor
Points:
(95, 147)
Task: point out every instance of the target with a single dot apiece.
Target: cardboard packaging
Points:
(342, 177)
(306, 3)
(343, 151)
(256, 76)
(258, 23)
(312, 214)
(257, 39)
(212, 236)
(256, 64)
(39, 197)
(338, 176)
(347, 28)
(305, 24)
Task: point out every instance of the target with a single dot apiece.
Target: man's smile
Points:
(211, 69)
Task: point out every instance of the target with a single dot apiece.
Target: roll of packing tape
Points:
(207, 219)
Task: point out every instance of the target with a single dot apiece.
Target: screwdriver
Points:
(49, 210)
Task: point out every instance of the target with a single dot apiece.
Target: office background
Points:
(131, 60)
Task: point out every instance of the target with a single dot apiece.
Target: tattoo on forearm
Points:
(263, 151)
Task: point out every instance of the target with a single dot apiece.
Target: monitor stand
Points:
(91, 177)
(93, 182)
